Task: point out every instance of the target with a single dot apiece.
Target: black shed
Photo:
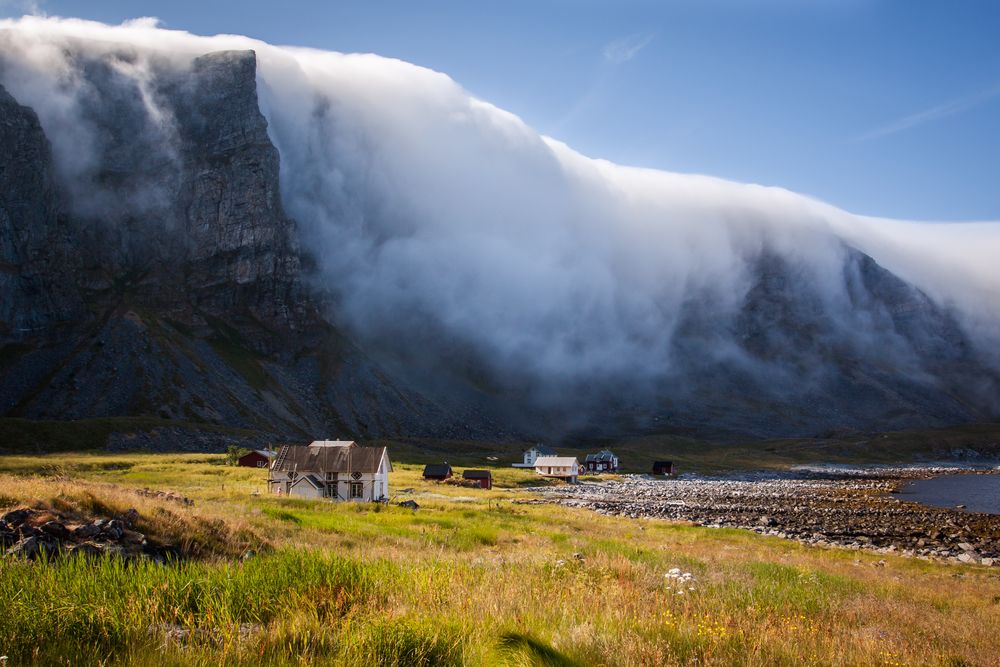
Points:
(663, 467)
(437, 471)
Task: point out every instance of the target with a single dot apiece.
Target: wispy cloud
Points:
(625, 48)
(934, 113)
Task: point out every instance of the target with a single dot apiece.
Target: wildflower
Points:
(682, 580)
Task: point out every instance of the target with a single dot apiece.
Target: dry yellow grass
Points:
(474, 578)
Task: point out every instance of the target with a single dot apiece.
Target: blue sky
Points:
(881, 107)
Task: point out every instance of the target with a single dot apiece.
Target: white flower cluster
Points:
(678, 581)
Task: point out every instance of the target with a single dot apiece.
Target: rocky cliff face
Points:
(164, 279)
(36, 272)
(241, 249)
(182, 210)
(885, 358)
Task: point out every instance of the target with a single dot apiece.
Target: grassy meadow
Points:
(470, 578)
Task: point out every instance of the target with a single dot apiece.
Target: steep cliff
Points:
(170, 285)
(36, 271)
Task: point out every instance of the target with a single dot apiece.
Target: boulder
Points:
(32, 547)
(113, 529)
(17, 517)
(88, 549)
(86, 531)
(132, 537)
(55, 529)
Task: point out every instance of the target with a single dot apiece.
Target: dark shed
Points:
(438, 471)
(258, 458)
(484, 477)
(663, 468)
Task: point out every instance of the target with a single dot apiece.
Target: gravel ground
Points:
(851, 508)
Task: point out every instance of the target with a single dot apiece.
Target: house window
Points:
(330, 491)
(331, 477)
(261, 464)
(357, 490)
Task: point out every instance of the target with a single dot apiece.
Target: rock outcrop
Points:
(34, 534)
(36, 272)
(164, 279)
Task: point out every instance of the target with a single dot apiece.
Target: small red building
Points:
(484, 477)
(663, 468)
(258, 458)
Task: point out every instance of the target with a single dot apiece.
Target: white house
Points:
(335, 469)
(560, 467)
(531, 455)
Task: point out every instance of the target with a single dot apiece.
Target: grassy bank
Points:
(470, 578)
(690, 454)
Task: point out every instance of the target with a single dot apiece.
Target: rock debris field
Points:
(851, 508)
(34, 534)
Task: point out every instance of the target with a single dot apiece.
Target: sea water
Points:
(979, 493)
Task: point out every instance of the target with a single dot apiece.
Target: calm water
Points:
(979, 493)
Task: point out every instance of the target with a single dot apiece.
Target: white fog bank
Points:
(429, 209)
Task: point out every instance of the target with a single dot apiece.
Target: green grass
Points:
(637, 453)
(470, 578)
(71, 608)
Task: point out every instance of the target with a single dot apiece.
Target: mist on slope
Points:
(440, 221)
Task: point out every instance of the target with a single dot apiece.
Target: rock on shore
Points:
(852, 509)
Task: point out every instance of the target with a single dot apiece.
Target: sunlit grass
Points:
(470, 578)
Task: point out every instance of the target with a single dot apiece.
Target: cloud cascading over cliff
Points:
(441, 223)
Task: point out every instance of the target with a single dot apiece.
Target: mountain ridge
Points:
(173, 286)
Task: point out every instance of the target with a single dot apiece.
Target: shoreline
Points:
(853, 508)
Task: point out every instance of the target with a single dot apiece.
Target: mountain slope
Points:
(164, 278)
(193, 309)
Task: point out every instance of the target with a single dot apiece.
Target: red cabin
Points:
(258, 458)
(484, 477)
(663, 468)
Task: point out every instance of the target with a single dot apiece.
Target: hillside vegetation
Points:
(472, 577)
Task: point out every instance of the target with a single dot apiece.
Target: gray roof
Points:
(477, 474)
(333, 443)
(603, 455)
(312, 479)
(306, 458)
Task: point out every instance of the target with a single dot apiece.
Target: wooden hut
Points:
(258, 458)
(663, 467)
(483, 477)
(437, 471)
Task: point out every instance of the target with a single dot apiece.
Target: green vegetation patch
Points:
(775, 586)
(73, 606)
